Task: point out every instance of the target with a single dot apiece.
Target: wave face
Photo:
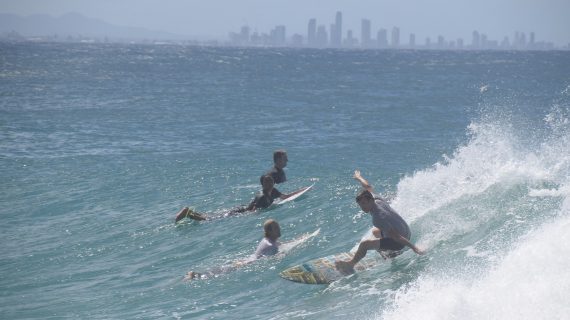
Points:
(495, 218)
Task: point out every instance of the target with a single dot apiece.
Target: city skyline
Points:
(318, 36)
(214, 19)
(74, 27)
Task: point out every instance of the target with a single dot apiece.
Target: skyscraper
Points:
(395, 37)
(312, 33)
(349, 41)
(523, 40)
(483, 41)
(244, 34)
(332, 35)
(382, 38)
(297, 40)
(475, 42)
(322, 36)
(440, 42)
(505, 44)
(278, 35)
(336, 31)
(412, 40)
(365, 33)
(459, 43)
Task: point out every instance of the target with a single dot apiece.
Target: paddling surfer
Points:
(268, 246)
(262, 200)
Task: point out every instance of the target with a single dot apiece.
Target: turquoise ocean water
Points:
(100, 145)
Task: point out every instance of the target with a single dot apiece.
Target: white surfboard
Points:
(280, 202)
(290, 245)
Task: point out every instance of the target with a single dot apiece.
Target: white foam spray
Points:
(528, 277)
(531, 282)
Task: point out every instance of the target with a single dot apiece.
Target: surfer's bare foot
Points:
(344, 267)
(181, 214)
(191, 275)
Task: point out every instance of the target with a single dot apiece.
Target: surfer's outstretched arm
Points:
(363, 182)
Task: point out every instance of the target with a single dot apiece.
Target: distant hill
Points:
(75, 24)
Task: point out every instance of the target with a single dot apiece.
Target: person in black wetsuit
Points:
(262, 200)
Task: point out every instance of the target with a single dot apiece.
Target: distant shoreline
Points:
(220, 44)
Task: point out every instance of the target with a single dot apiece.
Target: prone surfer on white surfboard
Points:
(262, 200)
(391, 231)
(268, 246)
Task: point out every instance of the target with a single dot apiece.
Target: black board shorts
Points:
(389, 244)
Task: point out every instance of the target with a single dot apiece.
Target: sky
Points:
(549, 19)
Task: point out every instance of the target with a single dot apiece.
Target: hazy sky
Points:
(549, 19)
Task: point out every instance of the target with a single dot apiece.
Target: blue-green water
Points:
(100, 145)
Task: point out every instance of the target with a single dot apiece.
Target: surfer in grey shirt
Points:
(269, 245)
(390, 229)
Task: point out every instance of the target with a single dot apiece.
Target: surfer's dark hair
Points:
(278, 154)
(266, 178)
(364, 194)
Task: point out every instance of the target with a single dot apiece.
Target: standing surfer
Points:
(390, 229)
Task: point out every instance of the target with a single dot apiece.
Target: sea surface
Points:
(101, 144)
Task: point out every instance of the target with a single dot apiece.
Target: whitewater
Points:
(494, 217)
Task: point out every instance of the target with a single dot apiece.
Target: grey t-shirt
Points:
(266, 247)
(385, 218)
